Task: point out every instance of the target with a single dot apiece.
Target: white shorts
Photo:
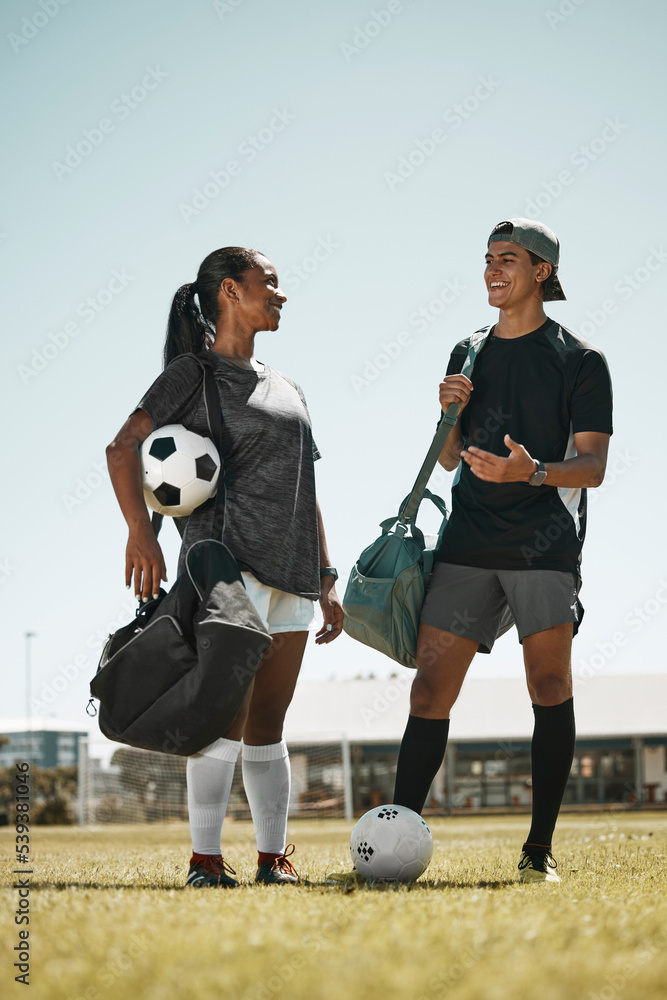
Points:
(280, 611)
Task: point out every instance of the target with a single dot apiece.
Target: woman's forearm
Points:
(124, 464)
(324, 552)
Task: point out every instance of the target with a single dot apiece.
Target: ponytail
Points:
(186, 327)
(191, 327)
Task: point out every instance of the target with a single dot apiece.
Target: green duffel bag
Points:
(386, 588)
(387, 584)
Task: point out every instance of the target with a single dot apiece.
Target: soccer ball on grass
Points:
(391, 844)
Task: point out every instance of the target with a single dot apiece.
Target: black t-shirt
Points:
(541, 389)
(268, 453)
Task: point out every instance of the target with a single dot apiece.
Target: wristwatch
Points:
(329, 571)
(539, 475)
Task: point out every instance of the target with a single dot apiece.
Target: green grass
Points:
(109, 918)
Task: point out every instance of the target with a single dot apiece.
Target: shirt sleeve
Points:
(457, 358)
(316, 451)
(591, 399)
(174, 393)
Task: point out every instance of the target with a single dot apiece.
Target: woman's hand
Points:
(144, 560)
(332, 611)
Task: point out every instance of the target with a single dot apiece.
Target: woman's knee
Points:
(264, 725)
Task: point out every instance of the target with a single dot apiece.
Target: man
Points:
(540, 404)
(532, 433)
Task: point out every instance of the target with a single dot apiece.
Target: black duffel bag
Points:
(174, 678)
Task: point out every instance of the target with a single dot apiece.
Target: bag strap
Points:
(408, 511)
(214, 421)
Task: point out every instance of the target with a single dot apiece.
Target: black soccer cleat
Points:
(280, 871)
(537, 865)
(210, 870)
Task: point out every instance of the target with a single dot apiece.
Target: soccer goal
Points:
(119, 784)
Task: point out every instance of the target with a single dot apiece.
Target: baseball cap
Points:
(538, 239)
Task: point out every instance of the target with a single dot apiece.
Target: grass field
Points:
(109, 918)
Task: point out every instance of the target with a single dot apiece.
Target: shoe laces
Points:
(540, 860)
(283, 864)
(215, 864)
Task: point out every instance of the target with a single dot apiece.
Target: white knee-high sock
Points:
(266, 777)
(209, 776)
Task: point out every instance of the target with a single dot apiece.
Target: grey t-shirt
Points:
(268, 453)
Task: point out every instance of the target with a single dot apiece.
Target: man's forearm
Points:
(450, 455)
(579, 472)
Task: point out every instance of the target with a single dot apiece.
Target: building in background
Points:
(344, 738)
(45, 742)
(620, 756)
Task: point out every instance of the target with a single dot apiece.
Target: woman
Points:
(273, 526)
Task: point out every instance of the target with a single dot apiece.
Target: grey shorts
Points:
(482, 604)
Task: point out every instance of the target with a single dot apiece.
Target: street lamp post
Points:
(28, 698)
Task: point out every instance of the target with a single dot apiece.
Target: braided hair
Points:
(194, 309)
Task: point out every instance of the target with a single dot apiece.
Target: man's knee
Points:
(430, 697)
(550, 688)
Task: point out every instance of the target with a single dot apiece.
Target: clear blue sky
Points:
(391, 143)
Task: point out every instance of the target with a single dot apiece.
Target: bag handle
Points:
(408, 510)
(214, 421)
(402, 527)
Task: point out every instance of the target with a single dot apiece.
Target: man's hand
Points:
(518, 467)
(455, 389)
(332, 611)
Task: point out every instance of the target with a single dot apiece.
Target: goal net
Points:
(119, 784)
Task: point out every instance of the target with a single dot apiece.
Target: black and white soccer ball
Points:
(180, 470)
(391, 844)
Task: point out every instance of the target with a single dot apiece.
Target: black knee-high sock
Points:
(422, 750)
(551, 755)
